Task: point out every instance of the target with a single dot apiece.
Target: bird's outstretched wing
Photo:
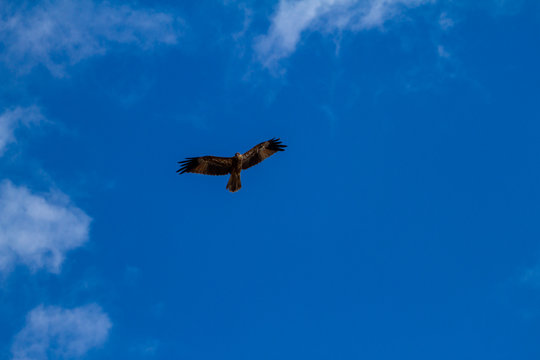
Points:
(208, 165)
(260, 152)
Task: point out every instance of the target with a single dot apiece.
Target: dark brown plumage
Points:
(214, 165)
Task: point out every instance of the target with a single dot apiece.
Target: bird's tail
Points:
(234, 183)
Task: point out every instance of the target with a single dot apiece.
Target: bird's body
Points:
(214, 165)
(237, 162)
(234, 183)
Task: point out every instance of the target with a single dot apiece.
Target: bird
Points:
(215, 165)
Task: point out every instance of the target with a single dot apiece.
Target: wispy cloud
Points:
(57, 33)
(55, 332)
(38, 230)
(148, 348)
(10, 120)
(442, 52)
(293, 18)
(445, 21)
(531, 276)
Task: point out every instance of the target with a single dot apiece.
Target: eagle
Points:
(215, 165)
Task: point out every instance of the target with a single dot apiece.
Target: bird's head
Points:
(238, 155)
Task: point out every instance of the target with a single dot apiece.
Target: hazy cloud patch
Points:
(59, 333)
(10, 120)
(57, 33)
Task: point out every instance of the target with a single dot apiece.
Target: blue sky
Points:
(401, 222)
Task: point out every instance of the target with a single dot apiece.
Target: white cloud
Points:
(38, 230)
(57, 33)
(11, 119)
(293, 18)
(59, 333)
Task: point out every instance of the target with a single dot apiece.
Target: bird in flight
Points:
(214, 165)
